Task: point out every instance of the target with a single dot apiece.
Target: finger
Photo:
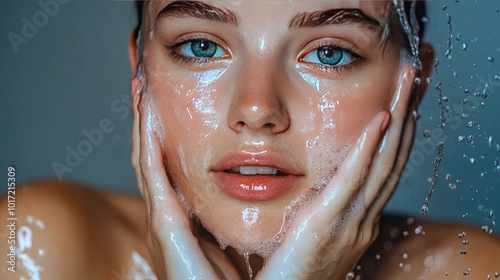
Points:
(162, 197)
(183, 256)
(342, 188)
(394, 176)
(391, 146)
(390, 160)
(136, 141)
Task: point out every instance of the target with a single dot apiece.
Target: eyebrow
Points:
(333, 16)
(197, 9)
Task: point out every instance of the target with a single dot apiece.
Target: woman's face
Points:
(258, 102)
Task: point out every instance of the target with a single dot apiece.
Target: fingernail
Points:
(385, 121)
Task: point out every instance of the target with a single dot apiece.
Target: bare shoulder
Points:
(67, 231)
(411, 249)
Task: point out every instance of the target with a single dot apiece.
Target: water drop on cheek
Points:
(310, 79)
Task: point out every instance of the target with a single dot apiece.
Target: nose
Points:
(258, 102)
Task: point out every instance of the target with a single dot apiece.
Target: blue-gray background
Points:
(74, 72)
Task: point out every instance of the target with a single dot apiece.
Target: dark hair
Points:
(139, 7)
(420, 12)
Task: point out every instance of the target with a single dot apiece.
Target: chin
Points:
(247, 231)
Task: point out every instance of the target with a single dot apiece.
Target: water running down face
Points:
(257, 103)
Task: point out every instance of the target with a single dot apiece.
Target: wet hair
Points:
(420, 12)
(139, 7)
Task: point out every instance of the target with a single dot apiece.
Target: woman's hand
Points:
(176, 252)
(332, 233)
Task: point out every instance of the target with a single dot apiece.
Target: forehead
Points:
(379, 10)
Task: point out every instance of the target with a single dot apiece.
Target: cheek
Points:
(188, 105)
(337, 116)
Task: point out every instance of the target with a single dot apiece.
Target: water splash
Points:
(424, 211)
(411, 28)
(449, 50)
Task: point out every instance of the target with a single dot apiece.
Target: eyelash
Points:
(197, 61)
(331, 69)
(328, 69)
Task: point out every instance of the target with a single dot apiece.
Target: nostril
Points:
(269, 125)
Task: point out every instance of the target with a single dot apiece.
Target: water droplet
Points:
(424, 211)
(445, 7)
(490, 59)
(467, 271)
(462, 235)
(418, 230)
(350, 275)
(465, 242)
(377, 257)
(448, 177)
(470, 139)
(485, 228)
(472, 160)
(464, 46)
(427, 134)
(463, 252)
(246, 256)
(452, 186)
(471, 124)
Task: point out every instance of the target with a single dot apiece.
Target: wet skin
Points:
(264, 97)
(285, 86)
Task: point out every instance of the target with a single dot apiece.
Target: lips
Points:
(256, 177)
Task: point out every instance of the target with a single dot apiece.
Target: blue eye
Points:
(200, 48)
(328, 55)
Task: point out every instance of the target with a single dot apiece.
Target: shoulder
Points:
(66, 231)
(411, 249)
